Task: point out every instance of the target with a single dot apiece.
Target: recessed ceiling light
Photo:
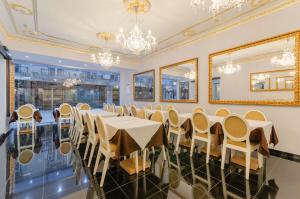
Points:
(26, 56)
(20, 9)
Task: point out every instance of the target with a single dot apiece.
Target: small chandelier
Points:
(136, 42)
(70, 82)
(261, 77)
(217, 5)
(287, 57)
(190, 75)
(105, 57)
(229, 67)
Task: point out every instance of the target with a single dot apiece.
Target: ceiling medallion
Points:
(217, 5)
(136, 42)
(105, 57)
(142, 5)
(20, 9)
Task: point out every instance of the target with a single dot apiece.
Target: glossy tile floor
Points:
(59, 172)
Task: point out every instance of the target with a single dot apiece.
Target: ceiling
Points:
(74, 23)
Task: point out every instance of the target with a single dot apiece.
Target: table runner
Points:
(36, 115)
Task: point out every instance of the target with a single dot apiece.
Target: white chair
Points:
(236, 137)
(159, 107)
(85, 106)
(141, 114)
(105, 107)
(222, 112)
(133, 111)
(125, 109)
(149, 107)
(199, 109)
(201, 132)
(79, 128)
(25, 125)
(174, 127)
(93, 138)
(169, 107)
(255, 115)
(65, 113)
(120, 111)
(78, 105)
(111, 108)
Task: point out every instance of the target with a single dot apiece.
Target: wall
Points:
(286, 119)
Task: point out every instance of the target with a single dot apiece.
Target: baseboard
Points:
(285, 155)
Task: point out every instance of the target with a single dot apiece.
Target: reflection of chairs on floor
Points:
(65, 119)
(195, 177)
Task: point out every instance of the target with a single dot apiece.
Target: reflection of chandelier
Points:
(136, 42)
(218, 5)
(287, 57)
(105, 58)
(71, 82)
(261, 76)
(229, 67)
(190, 75)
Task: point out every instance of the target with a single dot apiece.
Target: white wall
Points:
(286, 119)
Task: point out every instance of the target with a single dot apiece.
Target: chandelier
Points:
(105, 57)
(136, 42)
(229, 67)
(261, 77)
(217, 5)
(70, 82)
(287, 57)
(190, 75)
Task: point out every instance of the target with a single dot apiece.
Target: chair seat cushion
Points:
(178, 129)
(241, 144)
(202, 135)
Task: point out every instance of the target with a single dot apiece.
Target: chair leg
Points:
(137, 162)
(153, 150)
(169, 136)
(177, 143)
(260, 160)
(192, 147)
(208, 152)
(86, 149)
(105, 167)
(223, 156)
(97, 161)
(248, 158)
(144, 159)
(91, 154)
(164, 152)
(79, 140)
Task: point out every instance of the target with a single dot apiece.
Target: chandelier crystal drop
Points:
(137, 41)
(287, 57)
(229, 67)
(217, 5)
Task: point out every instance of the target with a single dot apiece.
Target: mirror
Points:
(144, 86)
(271, 65)
(179, 82)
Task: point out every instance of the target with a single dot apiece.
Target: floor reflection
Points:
(53, 168)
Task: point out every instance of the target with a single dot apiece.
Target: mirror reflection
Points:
(178, 82)
(270, 65)
(144, 87)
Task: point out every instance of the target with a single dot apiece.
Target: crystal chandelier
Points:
(261, 77)
(70, 82)
(190, 75)
(217, 5)
(136, 42)
(287, 57)
(105, 57)
(229, 67)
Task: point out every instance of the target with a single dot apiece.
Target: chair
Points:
(85, 106)
(236, 137)
(201, 132)
(174, 127)
(105, 107)
(25, 124)
(169, 107)
(65, 113)
(255, 115)
(198, 109)
(120, 111)
(222, 112)
(72, 124)
(141, 114)
(159, 107)
(31, 105)
(111, 108)
(93, 138)
(78, 105)
(79, 128)
(125, 110)
(133, 111)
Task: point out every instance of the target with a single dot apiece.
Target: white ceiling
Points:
(76, 22)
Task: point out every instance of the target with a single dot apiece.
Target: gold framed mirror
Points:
(272, 65)
(179, 82)
(144, 86)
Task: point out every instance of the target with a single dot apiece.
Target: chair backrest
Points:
(159, 107)
(255, 115)
(105, 106)
(25, 112)
(222, 112)
(102, 132)
(78, 105)
(200, 122)
(149, 107)
(141, 114)
(199, 109)
(236, 128)
(133, 111)
(91, 125)
(120, 111)
(79, 117)
(85, 106)
(125, 109)
(157, 116)
(65, 109)
(111, 108)
(169, 107)
(31, 105)
(173, 118)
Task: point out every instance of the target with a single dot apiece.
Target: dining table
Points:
(101, 112)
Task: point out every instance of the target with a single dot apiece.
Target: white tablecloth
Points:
(139, 129)
(95, 112)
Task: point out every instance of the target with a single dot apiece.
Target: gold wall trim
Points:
(296, 101)
(153, 85)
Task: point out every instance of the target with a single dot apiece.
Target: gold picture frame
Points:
(153, 86)
(295, 102)
(195, 62)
